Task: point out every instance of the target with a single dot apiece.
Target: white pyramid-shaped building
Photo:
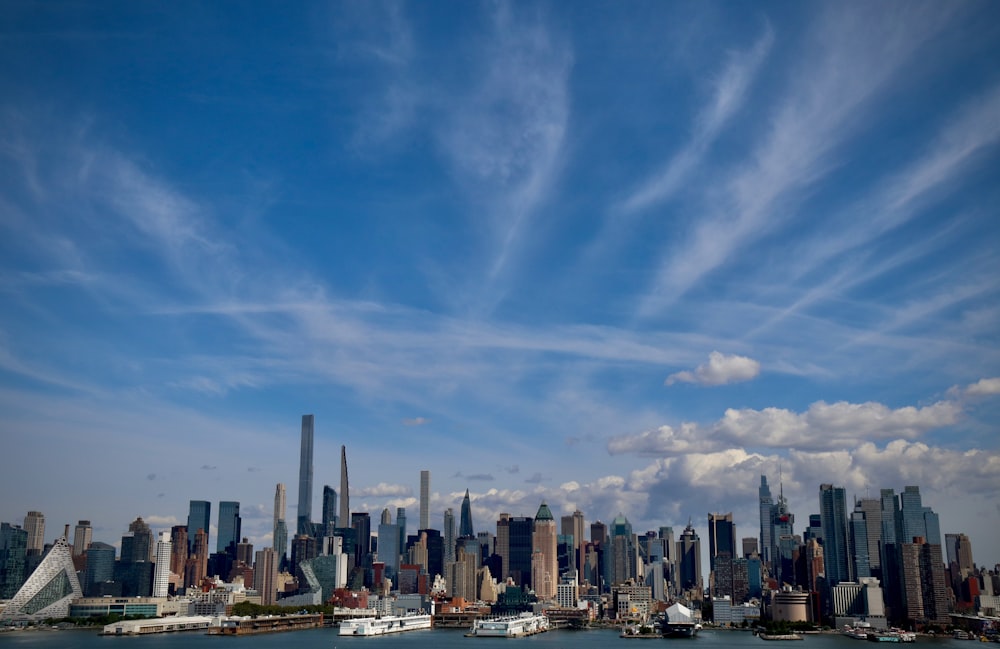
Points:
(49, 590)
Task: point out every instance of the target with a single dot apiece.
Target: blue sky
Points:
(616, 256)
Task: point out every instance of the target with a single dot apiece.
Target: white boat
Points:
(366, 626)
(510, 626)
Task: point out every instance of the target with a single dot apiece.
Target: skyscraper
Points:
(280, 537)
(230, 525)
(425, 500)
(689, 559)
(179, 549)
(465, 530)
(545, 565)
(265, 575)
(199, 518)
(766, 503)
(573, 524)
(329, 510)
(161, 575)
(82, 536)
(304, 521)
(721, 537)
(401, 523)
(833, 515)
(872, 510)
(34, 525)
(449, 536)
(344, 519)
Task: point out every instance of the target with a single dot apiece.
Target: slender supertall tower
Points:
(425, 500)
(279, 504)
(465, 529)
(344, 518)
(279, 538)
(304, 523)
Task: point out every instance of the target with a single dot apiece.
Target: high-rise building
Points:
(199, 518)
(362, 524)
(197, 568)
(265, 576)
(137, 544)
(100, 568)
(689, 559)
(833, 514)
(598, 533)
(230, 525)
(82, 536)
(34, 525)
(13, 559)
(959, 550)
(545, 570)
(872, 510)
(574, 524)
(858, 545)
(329, 510)
(766, 503)
(161, 575)
(465, 530)
(304, 520)
(388, 545)
(401, 524)
(425, 500)
(621, 553)
(344, 517)
(279, 533)
(449, 536)
(721, 538)
(179, 549)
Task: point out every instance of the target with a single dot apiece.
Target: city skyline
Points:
(614, 258)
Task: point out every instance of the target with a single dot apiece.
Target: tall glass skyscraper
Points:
(425, 500)
(721, 537)
(465, 529)
(229, 527)
(199, 518)
(304, 521)
(766, 502)
(329, 510)
(833, 514)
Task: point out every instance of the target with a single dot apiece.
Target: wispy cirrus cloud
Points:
(829, 94)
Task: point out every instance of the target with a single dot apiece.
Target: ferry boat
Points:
(509, 626)
(366, 626)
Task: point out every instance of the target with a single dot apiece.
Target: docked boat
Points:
(892, 636)
(679, 622)
(509, 626)
(366, 626)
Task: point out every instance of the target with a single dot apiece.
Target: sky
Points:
(621, 257)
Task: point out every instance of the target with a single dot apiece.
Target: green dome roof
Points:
(544, 513)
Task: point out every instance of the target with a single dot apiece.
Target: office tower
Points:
(279, 503)
(304, 548)
(721, 537)
(872, 510)
(179, 549)
(304, 520)
(48, 591)
(545, 569)
(388, 545)
(199, 518)
(689, 559)
(465, 530)
(244, 552)
(623, 562)
(514, 545)
(230, 525)
(265, 576)
(344, 517)
(925, 597)
(34, 525)
(766, 503)
(401, 524)
(959, 550)
(833, 515)
(449, 536)
(137, 544)
(574, 524)
(858, 546)
(83, 534)
(198, 565)
(100, 568)
(598, 532)
(362, 525)
(749, 547)
(161, 575)
(13, 559)
(425, 500)
(329, 510)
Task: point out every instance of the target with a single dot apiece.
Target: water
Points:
(438, 639)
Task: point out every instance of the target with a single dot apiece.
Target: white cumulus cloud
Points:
(720, 370)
